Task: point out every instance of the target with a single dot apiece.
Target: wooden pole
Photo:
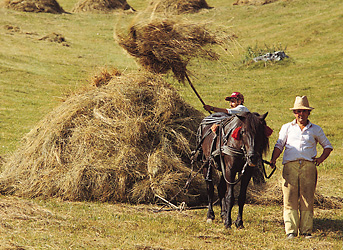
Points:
(195, 91)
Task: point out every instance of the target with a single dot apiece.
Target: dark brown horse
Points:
(235, 148)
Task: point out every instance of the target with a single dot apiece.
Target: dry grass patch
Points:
(18, 209)
(178, 6)
(271, 193)
(253, 2)
(48, 6)
(100, 5)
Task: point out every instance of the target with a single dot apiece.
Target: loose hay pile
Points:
(47, 6)
(125, 141)
(14, 208)
(100, 5)
(271, 193)
(253, 2)
(163, 45)
(179, 6)
(55, 38)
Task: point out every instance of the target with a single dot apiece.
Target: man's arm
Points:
(215, 109)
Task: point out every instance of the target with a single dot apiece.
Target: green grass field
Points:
(35, 75)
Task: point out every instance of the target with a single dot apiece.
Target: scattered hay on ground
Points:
(11, 28)
(125, 141)
(101, 6)
(179, 6)
(271, 193)
(47, 6)
(162, 45)
(18, 209)
(55, 38)
(253, 2)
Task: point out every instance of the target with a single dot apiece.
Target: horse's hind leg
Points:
(221, 196)
(242, 197)
(210, 193)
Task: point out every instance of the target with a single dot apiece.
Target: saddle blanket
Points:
(215, 118)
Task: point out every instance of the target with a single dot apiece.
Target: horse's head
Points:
(252, 134)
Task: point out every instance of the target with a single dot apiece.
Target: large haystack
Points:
(101, 5)
(179, 6)
(161, 45)
(124, 141)
(47, 6)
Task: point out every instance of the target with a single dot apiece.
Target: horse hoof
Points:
(239, 225)
(209, 221)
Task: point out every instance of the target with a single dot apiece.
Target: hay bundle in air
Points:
(47, 6)
(162, 45)
(124, 141)
(101, 5)
(179, 6)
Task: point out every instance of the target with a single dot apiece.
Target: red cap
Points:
(235, 95)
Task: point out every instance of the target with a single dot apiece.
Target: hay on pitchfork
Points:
(179, 6)
(124, 141)
(162, 45)
(101, 6)
(47, 6)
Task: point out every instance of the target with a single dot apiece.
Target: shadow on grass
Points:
(329, 227)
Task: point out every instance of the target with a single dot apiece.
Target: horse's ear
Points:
(241, 117)
(263, 117)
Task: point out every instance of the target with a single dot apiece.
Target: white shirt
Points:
(301, 144)
(239, 109)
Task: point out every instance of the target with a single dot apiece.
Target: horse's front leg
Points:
(242, 197)
(229, 202)
(210, 193)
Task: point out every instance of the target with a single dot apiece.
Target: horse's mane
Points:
(254, 124)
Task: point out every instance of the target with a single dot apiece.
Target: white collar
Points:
(309, 124)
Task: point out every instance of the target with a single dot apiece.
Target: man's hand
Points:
(273, 163)
(317, 161)
(208, 107)
(322, 158)
(214, 128)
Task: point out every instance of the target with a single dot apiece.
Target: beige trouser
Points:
(299, 184)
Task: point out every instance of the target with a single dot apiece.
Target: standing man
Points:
(299, 139)
(236, 105)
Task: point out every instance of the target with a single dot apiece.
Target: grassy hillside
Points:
(36, 74)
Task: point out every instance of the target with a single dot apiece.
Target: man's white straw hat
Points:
(301, 102)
